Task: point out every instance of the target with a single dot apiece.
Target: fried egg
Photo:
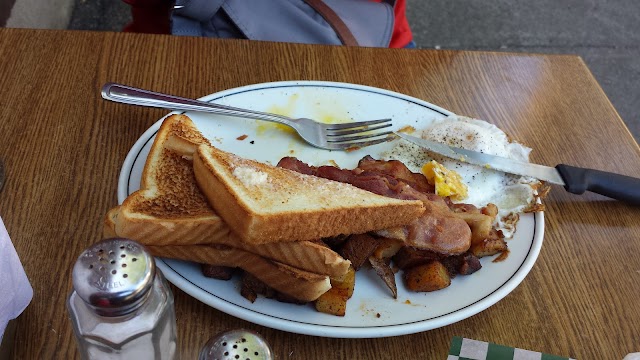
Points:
(512, 194)
(446, 182)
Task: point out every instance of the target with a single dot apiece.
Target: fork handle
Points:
(134, 96)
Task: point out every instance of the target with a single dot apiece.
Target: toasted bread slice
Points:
(109, 228)
(169, 201)
(170, 209)
(305, 255)
(265, 204)
(300, 285)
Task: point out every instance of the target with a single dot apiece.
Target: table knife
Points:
(574, 179)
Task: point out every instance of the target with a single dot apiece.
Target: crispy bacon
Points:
(397, 170)
(296, 165)
(438, 229)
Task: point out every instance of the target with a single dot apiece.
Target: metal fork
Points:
(343, 136)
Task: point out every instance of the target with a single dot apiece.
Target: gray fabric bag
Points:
(370, 23)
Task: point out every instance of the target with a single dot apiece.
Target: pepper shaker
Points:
(121, 307)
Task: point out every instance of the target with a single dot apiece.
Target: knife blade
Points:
(574, 179)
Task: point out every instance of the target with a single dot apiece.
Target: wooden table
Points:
(63, 148)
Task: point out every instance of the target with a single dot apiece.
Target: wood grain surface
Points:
(63, 147)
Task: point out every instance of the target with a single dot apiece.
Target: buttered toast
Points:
(299, 284)
(267, 204)
(170, 209)
(306, 255)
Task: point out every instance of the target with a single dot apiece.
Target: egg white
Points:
(512, 194)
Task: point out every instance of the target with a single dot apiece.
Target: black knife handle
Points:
(578, 180)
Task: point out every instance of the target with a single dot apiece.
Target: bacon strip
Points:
(438, 229)
(397, 170)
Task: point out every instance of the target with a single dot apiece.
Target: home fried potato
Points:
(347, 282)
(427, 277)
(488, 247)
(334, 301)
(387, 248)
(480, 224)
(409, 257)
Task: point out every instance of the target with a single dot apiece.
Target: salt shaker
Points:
(241, 344)
(121, 306)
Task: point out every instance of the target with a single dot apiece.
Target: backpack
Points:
(337, 22)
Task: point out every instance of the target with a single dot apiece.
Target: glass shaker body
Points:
(137, 324)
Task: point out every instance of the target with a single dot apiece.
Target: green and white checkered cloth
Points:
(468, 349)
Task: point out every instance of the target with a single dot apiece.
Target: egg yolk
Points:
(447, 182)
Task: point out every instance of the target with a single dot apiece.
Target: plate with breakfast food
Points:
(377, 241)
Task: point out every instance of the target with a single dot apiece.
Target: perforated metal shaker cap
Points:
(238, 344)
(114, 276)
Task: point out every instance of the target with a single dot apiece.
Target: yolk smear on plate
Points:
(326, 116)
(284, 110)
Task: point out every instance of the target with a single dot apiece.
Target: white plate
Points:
(371, 312)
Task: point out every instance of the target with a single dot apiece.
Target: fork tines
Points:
(337, 134)
(357, 124)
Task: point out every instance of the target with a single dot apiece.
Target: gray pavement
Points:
(99, 15)
(606, 34)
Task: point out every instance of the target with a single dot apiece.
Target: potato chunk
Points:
(488, 247)
(427, 277)
(334, 301)
(387, 248)
(347, 282)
